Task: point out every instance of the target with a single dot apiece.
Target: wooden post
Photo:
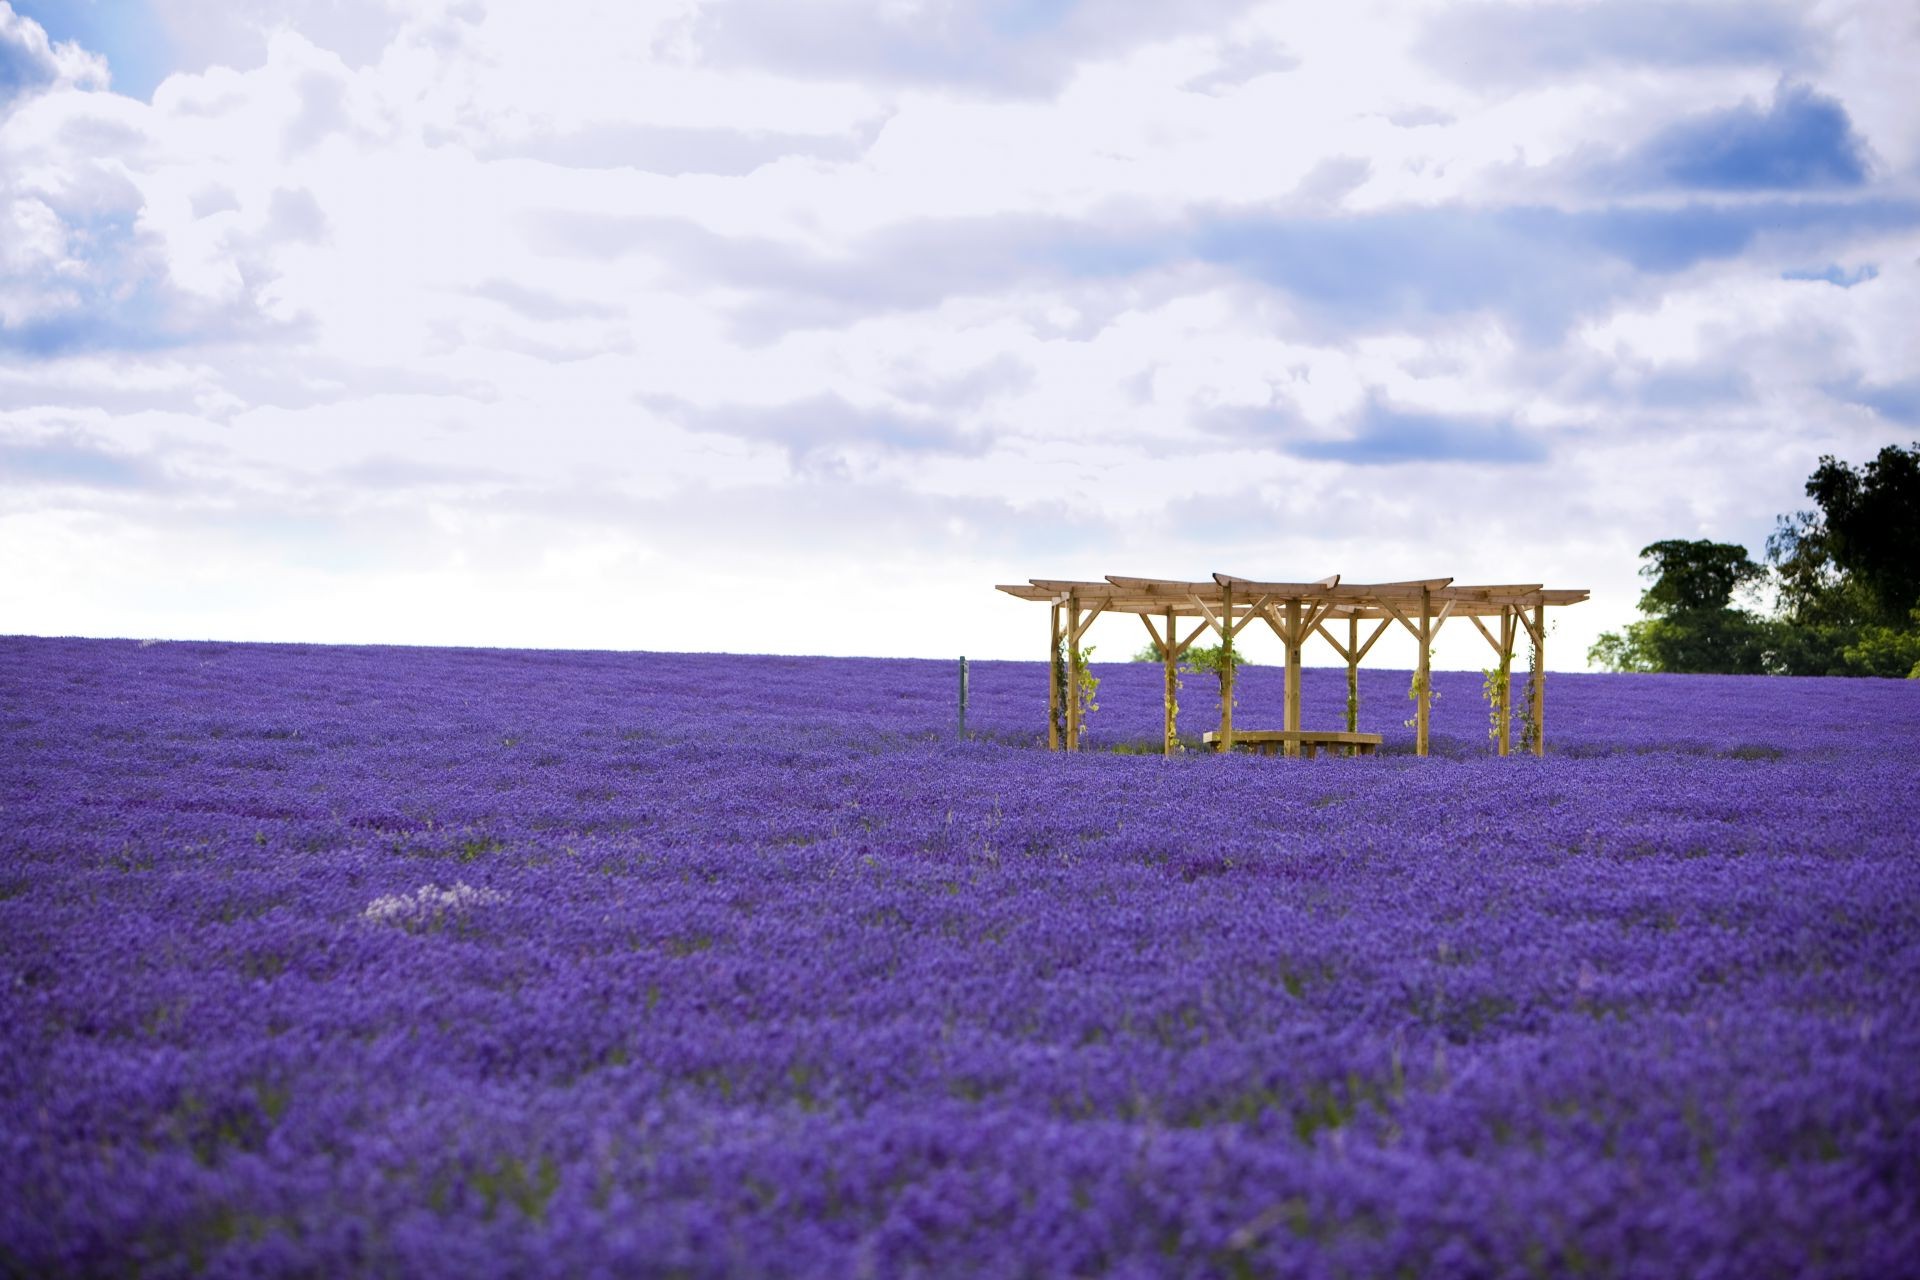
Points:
(1507, 626)
(1226, 669)
(1053, 682)
(1540, 680)
(1073, 673)
(1292, 717)
(1353, 674)
(1173, 710)
(1423, 675)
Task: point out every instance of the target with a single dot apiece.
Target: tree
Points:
(1691, 624)
(1212, 661)
(1848, 574)
(1217, 662)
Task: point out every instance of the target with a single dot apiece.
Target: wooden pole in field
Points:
(1540, 680)
(1507, 628)
(1171, 659)
(1292, 708)
(1072, 692)
(1353, 673)
(1423, 675)
(1226, 669)
(1053, 683)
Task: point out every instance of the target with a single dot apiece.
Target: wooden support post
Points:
(1423, 675)
(1053, 682)
(1171, 659)
(1072, 692)
(1226, 669)
(1353, 674)
(1505, 740)
(1292, 717)
(1540, 680)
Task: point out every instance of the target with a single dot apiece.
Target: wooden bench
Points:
(1269, 741)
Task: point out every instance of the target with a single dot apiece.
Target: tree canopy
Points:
(1848, 573)
(1845, 578)
(1691, 624)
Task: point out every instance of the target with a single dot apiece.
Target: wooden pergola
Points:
(1296, 611)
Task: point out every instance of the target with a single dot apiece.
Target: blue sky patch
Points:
(22, 70)
(1894, 401)
(73, 460)
(1835, 274)
(127, 33)
(1511, 42)
(1803, 141)
(1389, 435)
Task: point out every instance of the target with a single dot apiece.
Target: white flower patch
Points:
(429, 906)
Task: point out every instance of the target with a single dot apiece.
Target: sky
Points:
(757, 326)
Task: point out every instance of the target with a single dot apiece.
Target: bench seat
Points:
(1269, 741)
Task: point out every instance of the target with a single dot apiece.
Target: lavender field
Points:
(331, 961)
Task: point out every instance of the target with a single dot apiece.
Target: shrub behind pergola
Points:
(1225, 605)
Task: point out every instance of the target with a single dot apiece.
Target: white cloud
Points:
(439, 323)
(30, 63)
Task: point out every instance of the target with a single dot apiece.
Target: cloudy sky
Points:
(775, 326)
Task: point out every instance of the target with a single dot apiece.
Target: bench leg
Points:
(1309, 749)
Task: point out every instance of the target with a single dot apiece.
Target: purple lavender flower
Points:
(389, 961)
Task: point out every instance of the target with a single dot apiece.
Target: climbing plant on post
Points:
(1080, 683)
(1084, 688)
(1530, 706)
(1492, 687)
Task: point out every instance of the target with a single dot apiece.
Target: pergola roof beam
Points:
(1283, 590)
(1341, 600)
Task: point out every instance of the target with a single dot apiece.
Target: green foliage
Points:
(1218, 661)
(1089, 686)
(1421, 683)
(1693, 576)
(1529, 700)
(1887, 651)
(1691, 623)
(1869, 526)
(1626, 650)
(1847, 576)
(1060, 682)
(1726, 641)
(1210, 661)
(1497, 689)
(509, 1181)
(1213, 661)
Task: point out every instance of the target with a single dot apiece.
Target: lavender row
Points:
(464, 962)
